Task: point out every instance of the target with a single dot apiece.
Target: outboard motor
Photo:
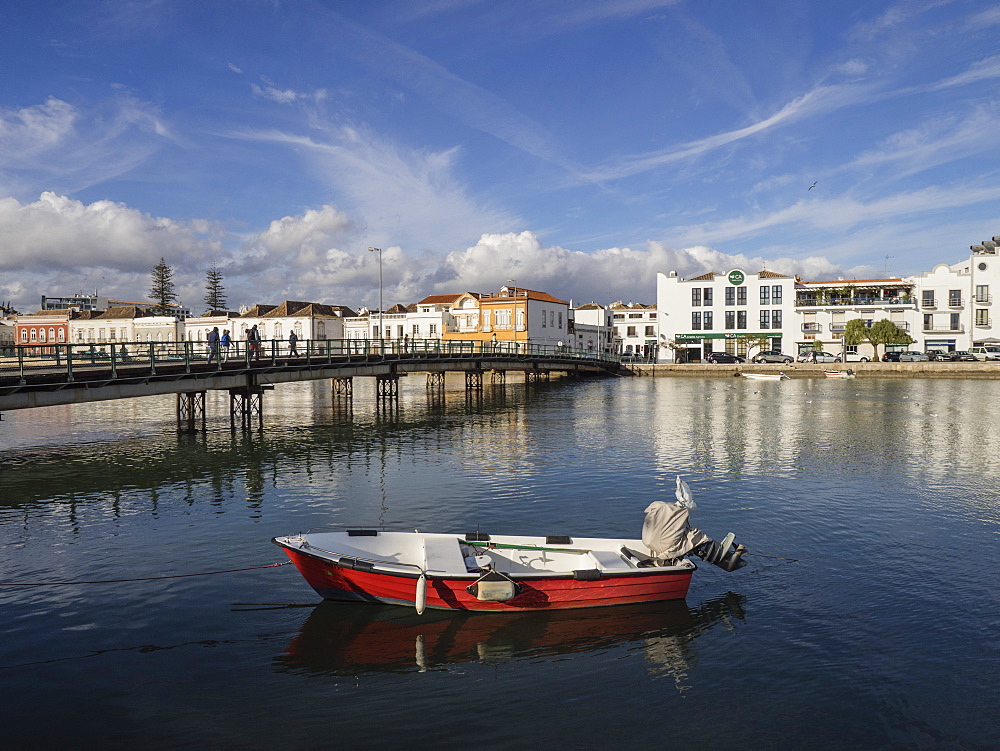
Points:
(724, 556)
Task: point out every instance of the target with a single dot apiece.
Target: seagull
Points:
(812, 186)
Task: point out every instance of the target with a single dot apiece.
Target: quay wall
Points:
(986, 370)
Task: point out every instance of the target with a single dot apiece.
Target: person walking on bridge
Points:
(292, 341)
(213, 346)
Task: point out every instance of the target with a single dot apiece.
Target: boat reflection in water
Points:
(348, 639)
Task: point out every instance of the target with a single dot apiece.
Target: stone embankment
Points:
(810, 370)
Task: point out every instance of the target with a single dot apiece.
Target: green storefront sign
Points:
(741, 335)
(736, 277)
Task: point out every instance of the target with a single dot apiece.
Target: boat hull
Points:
(336, 580)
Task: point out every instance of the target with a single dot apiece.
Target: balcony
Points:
(928, 304)
(853, 302)
(930, 329)
(954, 302)
(984, 323)
(838, 328)
(984, 299)
(812, 328)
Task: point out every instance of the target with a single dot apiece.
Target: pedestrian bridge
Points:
(42, 375)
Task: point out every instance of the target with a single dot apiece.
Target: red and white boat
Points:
(480, 572)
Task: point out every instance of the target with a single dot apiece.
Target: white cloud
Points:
(56, 146)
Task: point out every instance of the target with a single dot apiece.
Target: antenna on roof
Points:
(887, 264)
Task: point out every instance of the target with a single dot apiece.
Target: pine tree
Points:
(161, 289)
(215, 294)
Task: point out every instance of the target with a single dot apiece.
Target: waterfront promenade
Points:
(988, 370)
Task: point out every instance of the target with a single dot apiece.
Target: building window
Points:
(956, 322)
(982, 293)
(741, 295)
(706, 321)
(520, 320)
(730, 295)
(415, 330)
(927, 299)
(741, 319)
(649, 329)
(776, 319)
(982, 317)
(708, 296)
(928, 321)
(954, 298)
(696, 321)
(765, 295)
(696, 297)
(776, 294)
(374, 332)
(730, 319)
(560, 319)
(765, 319)
(552, 318)
(24, 335)
(631, 329)
(543, 319)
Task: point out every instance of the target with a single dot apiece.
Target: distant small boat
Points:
(766, 376)
(839, 373)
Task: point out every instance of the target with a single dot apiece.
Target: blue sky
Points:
(577, 147)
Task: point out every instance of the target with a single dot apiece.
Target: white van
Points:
(985, 353)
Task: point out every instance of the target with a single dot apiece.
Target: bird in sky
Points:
(812, 186)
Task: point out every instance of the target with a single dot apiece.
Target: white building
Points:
(592, 328)
(947, 308)
(636, 329)
(311, 322)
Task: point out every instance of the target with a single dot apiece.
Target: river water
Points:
(866, 619)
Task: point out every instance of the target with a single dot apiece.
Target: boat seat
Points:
(443, 555)
(610, 561)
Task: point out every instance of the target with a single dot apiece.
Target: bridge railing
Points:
(65, 363)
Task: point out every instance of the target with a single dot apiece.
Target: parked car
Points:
(854, 357)
(891, 356)
(817, 356)
(960, 355)
(985, 353)
(723, 357)
(938, 355)
(772, 355)
(913, 356)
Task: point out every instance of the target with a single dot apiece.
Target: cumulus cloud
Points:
(603, 275)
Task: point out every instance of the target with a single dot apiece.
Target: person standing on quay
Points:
(213, 346)
(292, 340)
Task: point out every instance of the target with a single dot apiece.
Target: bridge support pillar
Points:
(247, 402)
(343, 386)
(473, 380)
(387, 387)
(535, 376)
(435, 380)
(190, 407)
(498, 376)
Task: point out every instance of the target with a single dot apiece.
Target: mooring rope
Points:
(139, 579)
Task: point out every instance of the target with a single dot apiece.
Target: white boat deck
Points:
(450, 554)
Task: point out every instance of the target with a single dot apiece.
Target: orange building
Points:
(514, 314)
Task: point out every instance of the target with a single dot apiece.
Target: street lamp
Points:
(380, 329)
